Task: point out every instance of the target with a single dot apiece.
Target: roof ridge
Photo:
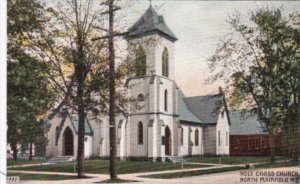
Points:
(211, 95)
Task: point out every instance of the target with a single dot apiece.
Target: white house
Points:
(167, 124)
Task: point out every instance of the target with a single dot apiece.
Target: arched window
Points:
(166, 100)
(181, 137)
(140, 133)
(197, 137)
(140, 97)
(140, 62)
(165, 63)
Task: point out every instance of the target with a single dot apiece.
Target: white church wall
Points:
(196, 149)
(148, 43)
(150, 143)
(189, 134)
(51, 148)
(184, 149)
(95, 125)
(222, 131)
(175, 142)
(136, 149)
(104, 137)
(120, 135)
(88, 146)
(162, 146)
(137, 87)
(209, 139)
(158, 133)
(166, 84)
(128, 136)
(154, 46)
(153, 97)
(154, 137)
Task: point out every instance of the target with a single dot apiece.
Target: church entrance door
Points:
(168, 141)
(68, 142)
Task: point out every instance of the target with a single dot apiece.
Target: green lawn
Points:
(231, 160)
(102, 166)
(22, 162)
(218, 170)
(193, 173)
(278, 164)
(23, 176)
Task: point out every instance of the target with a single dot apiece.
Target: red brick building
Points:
(247, 136)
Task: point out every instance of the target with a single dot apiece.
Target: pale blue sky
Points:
(199, 25)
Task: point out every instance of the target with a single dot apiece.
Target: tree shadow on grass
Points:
(116, 181)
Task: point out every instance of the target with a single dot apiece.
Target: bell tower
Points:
(153, 128)
(151, 34)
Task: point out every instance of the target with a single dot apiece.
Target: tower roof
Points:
(150, 23)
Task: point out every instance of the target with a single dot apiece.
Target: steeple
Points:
(150, 23)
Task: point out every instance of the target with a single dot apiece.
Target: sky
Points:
(199, 27)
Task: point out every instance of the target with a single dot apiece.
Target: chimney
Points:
(221, 91)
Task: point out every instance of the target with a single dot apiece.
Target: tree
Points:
(28, 94)
(73, 61)
(77, 66)
(253, 58)
(290, 85)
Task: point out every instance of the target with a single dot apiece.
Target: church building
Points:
(165, 123)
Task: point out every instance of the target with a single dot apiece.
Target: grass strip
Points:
(193, 173)
(102, 167)
(232, 160)
(23, 162)
(278, 164)
(26, 176)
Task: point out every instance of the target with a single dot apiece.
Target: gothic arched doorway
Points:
(68, 142)
(168, 141)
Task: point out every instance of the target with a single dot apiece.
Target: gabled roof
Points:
(207, 108)
(245, 124)
(184, 113)
(75, 122)
(150, 23)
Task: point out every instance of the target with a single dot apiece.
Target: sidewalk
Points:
(28, 165)
(232, 177)
(100, 177)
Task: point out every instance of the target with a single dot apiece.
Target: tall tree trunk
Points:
(81, 130)
(30, 151)
(13, 146)
(112, 123)
(272, 146)
(290, 136)
(296, 145)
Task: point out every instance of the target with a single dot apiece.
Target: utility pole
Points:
(112, 94)
(112, 85)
